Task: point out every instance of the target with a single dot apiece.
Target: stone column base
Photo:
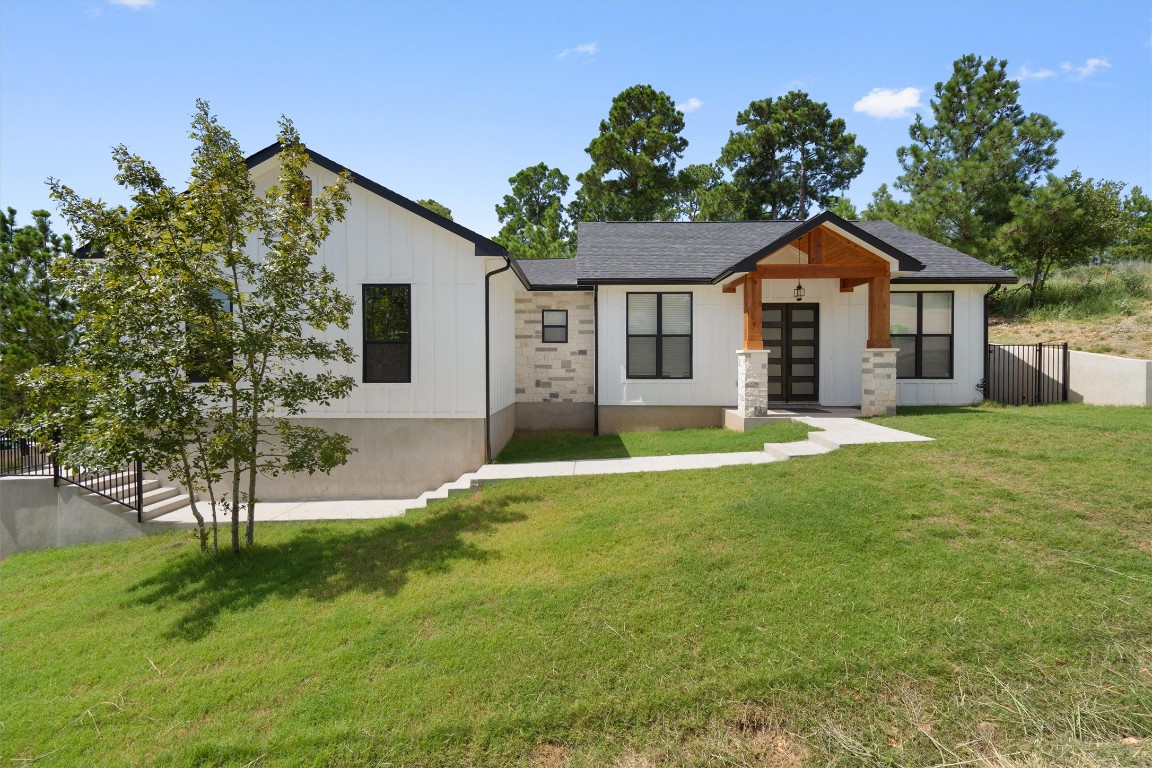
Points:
(752, 382)
(879, 396)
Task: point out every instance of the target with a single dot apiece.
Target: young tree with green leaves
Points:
(218, 282)
(980, 153)
(790, 154)
(536, 225)
(1061, 224)
(633, 174)
(37, 323)
(1136, 241)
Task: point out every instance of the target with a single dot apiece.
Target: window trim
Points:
(365, 341)
(660, 336)
(544, 326)
(919, 336)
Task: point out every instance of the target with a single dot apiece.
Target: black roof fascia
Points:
(912, 279)
(560, 287)
(516, 270)
(484, 246)
(645, 281)
(748, 264)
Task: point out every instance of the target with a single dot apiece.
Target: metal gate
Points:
(1026, 374)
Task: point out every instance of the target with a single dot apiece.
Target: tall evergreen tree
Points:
(37, 324)
(633, 174)
(981, 152)
(790, 154)
(536, 226)
(436, 207)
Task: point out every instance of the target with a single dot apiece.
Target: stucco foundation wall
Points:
(651, 418)
(560, 372)
(541, 416)
(1108, 380)
(502, 425)
(395, 459)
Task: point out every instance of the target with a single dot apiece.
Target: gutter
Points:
(488, 357)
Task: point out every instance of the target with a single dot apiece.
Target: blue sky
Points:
(448, 99)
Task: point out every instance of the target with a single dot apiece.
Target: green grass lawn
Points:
(562, 445)
(985, 599)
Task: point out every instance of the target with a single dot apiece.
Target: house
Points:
(651, 326)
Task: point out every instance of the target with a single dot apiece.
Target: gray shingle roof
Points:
(703, 252)
(549, 273)
(941, 263)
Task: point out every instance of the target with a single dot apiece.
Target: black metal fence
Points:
(19, 456)
(1026, 374)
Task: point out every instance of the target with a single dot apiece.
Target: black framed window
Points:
(554, 325)
(922, 323)
(206, 364)
(659, 336)
(387, 334)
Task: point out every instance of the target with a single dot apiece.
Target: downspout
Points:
(596, 360)
(983, 386)
(488, 358)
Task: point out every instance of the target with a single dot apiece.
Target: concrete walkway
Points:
(836, 431)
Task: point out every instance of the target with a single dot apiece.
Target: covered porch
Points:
(773, 372)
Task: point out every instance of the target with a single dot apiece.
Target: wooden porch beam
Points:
(879, 313)
(789, 271)
(753, 330)
(847, 285)
(816, 246)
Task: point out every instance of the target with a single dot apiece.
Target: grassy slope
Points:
(560, 445)
(1105, 309)
(877, 605)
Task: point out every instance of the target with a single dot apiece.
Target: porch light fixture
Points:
(798, 291)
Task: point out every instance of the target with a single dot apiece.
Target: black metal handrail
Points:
(123, 486)
(20, 456)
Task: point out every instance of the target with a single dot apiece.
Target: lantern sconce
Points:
(798, 291)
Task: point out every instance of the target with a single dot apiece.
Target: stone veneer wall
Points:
(555, 373)
(879, 382)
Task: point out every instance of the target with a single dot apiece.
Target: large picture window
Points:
(387, 334)
(922, 331)
(659, 336)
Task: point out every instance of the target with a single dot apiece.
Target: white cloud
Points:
(1038, 74)
(691, 105)
(887, 103)
(1091, 67)
(586, 49)
(133, 4)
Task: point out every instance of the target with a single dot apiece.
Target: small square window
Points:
(554, 324)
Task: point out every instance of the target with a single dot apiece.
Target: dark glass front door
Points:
(792, 338)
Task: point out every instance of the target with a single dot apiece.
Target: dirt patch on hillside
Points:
(1125, 336)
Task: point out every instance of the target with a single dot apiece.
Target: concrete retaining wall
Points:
(1108, 380)
(35, 515)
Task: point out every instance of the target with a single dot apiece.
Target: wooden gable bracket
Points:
(732, 285)
(848, 284)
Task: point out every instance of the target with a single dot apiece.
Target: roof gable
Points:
(484, 246)
(710, 252)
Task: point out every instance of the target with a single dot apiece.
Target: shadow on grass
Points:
(323, 562)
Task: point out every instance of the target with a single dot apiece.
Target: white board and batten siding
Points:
(379, 242)
(717, 332)
(502, 335)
